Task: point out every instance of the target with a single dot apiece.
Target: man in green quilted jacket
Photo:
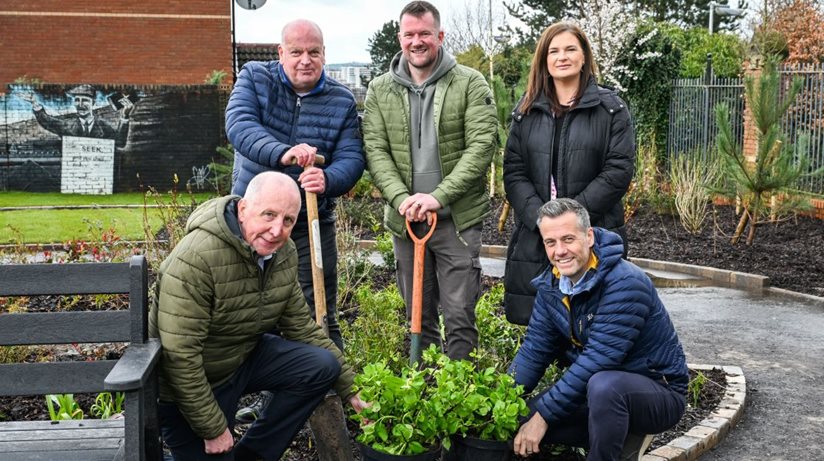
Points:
(221, 291)
(429, 135)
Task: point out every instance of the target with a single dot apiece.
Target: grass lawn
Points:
(56, 226)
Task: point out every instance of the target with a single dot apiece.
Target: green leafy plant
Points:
(378, 332)
(66, 407)
(407, 413)
(215, 77)
(694, 388)
(483, 402)
(386, 248)
(498, 339)
(105, 406)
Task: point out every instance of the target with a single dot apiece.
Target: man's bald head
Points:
(301, 27)
(268, 211)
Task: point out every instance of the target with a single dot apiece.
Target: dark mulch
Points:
(790, 251)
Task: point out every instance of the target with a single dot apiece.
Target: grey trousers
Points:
(451, 281)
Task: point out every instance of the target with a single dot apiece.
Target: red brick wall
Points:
(122, 42)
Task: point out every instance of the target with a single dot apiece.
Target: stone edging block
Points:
(710, 431)
(729, 278)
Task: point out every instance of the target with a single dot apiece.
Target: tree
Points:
(801, 23)
(383, 46)
(777, 165)
(538, 14)
(477, 24)
(609, 25)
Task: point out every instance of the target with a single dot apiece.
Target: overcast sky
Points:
(346, 24)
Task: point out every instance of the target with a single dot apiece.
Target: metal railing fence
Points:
(692, 125)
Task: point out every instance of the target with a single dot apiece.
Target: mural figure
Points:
(84, 123)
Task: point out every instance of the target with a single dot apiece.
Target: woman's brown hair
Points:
(540, 82)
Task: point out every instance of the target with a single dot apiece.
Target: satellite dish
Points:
(250, 4)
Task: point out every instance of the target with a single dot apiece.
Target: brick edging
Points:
(709, 432)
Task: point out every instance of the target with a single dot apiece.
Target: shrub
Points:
(379, 331)
(386, 248)
(498, 339)
(692, 181)
(651, 60)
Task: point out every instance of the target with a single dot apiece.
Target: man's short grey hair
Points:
(559, 206)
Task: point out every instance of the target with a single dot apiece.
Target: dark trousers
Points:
(618, 403)
(297, 374)
(329, 250)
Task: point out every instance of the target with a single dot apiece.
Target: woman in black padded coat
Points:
(569, 138)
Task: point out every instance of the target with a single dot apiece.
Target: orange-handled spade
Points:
(417, 286)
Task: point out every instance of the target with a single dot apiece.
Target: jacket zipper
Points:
(292, 137)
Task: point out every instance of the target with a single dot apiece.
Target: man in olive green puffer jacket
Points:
(228, 283)
(429, 134)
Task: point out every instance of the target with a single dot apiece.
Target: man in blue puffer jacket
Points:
(600, 315)
(279, 116)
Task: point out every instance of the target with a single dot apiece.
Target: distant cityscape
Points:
(353, 75)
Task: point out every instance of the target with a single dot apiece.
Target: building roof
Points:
(256, 52)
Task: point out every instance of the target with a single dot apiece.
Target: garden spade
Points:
(327, 422)
(417, 286)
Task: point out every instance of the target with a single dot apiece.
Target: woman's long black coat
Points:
(596, 161)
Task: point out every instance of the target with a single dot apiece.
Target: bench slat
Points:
(69, 435)
(52, 279)
(64, 327)
(54, 378)
(76, 440)
(21, 426)
(80, 455)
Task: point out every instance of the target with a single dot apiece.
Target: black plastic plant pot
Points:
(370, 454)
(475, 449)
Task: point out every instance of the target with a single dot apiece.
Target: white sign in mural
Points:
(87, 166)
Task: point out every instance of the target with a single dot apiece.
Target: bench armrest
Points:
(134, 367)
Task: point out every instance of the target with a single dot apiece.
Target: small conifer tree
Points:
(777, 165)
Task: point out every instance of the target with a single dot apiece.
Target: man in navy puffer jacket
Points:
(600, 315)
(279, 116)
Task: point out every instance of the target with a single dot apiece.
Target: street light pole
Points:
(722, 10)
(491, 48)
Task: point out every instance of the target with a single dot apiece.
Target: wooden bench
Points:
(133, 438)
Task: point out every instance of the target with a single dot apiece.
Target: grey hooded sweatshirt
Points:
(426, 163)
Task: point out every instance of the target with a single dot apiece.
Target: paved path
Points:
(779, 343)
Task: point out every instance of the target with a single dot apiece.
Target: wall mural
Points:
(99, 140)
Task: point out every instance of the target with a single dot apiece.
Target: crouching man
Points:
(600, 315)
(229, 282)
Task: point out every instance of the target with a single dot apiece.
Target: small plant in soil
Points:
(63, 407)
(105, 405)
